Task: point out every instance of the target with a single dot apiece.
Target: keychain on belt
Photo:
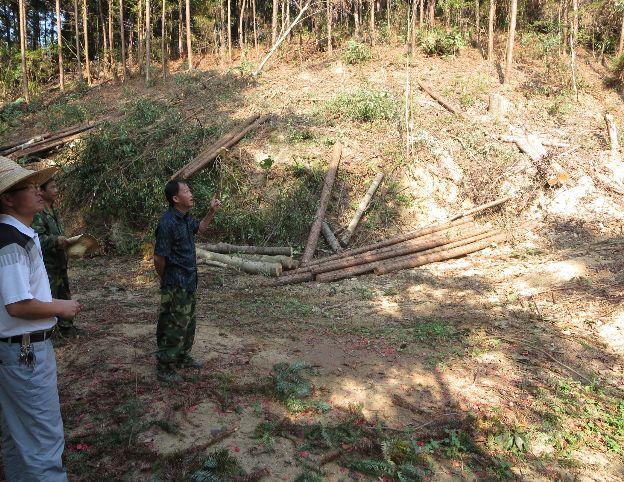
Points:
(27, 353)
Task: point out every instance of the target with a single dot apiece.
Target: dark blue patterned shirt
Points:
(175, 241)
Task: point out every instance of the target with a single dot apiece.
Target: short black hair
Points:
(172, 188)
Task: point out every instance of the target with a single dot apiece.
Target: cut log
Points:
(227, 141)
(285, 261)
(394, 240)
(482, 207)
(426, 258)
(403, 249)
(225, 248)
(330, 177)
(362, 207)
(293, 279)
(252, 267)
(614, 142)
(499, 106)
(329, 236)
(428, 254)
(439, 99)
(530, 144)
(8, 148)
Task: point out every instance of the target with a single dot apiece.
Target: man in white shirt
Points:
(32, 429)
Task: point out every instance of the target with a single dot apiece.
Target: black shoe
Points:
(168, 376)
(190, 362)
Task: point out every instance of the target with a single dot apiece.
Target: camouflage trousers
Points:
(59, 285)
(176, 327)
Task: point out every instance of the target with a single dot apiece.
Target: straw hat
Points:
(11, 173)
(82, 245)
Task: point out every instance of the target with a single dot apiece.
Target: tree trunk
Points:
(225, 248)
(80, 73)
(180, 30)
(140, 37)
(123, 41)
(22, 22)
(111, 39)
(60, 45)
(478, 21)
(330, 237)
(86, 40)
(511, 39)
(573, 40)
(251, 267)
(148, 41)
(421, 13)
(329, 26)
(372, 21)
(189, 47)
(621, 44)
(356, 17)
(491, 19)
(255, 28)
(104, 36)
(163, 40)
(241, 38)
(229, 28)
(274, 22)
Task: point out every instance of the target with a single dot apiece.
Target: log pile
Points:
(265, 260)
(458, 237)
(42, 144)
(225, 142)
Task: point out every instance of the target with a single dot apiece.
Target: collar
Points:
(178, 214)
(21, 227)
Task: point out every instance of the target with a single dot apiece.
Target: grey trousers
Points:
(32, 429)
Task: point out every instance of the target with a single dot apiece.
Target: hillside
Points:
(505, 364)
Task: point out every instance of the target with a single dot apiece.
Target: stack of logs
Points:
(426, 245)
(266, 260)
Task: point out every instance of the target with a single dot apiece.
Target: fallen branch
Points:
(482, 207)
(362, 207)
(225, 142)
(329, 236)
(226, 248)
(330, 177)
(439, 99)
(252, 267)
(55, 140)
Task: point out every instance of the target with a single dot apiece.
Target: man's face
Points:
(50, 192)
(24, 199)
(184, 199)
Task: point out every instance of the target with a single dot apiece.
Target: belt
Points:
(35, 337)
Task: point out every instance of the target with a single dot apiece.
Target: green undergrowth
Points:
(219, 466)
(366, 104)
(438, 41)
(116, 176)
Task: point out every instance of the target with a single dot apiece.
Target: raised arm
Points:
(215, 204)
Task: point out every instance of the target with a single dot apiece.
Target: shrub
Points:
(437, 41)
(364, 105)
(617, 71)
(356, 53)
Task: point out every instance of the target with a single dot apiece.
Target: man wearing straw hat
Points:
(54, 246)
(32, 429)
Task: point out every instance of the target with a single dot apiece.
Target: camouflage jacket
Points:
(49, 228)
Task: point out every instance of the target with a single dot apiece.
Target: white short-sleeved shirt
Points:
(22, 276)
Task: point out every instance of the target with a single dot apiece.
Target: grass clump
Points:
(219, 466)
(356, 53)
(364, 105)
(437, 41)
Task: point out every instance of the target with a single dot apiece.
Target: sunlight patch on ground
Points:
(566, 270)
(612, 333)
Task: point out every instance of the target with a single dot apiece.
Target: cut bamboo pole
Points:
(441, 256)
(225, 248)
(329, 236)
(252, 267)
(362, 207)
(315, 231)
(225, 142)
(409, 247)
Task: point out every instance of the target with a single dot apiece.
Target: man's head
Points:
(179, 195)
(19, 189)
(49, 191)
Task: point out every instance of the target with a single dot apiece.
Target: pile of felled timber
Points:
(44, 143)
(431, 244)
(266, 260)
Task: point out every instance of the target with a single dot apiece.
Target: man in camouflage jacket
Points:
(54, 244)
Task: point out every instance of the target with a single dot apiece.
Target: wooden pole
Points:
(329, 236)
(252, 267)
(225, 248)
(362, 207)
(330, 177)
(59, 41)
(481, 208)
